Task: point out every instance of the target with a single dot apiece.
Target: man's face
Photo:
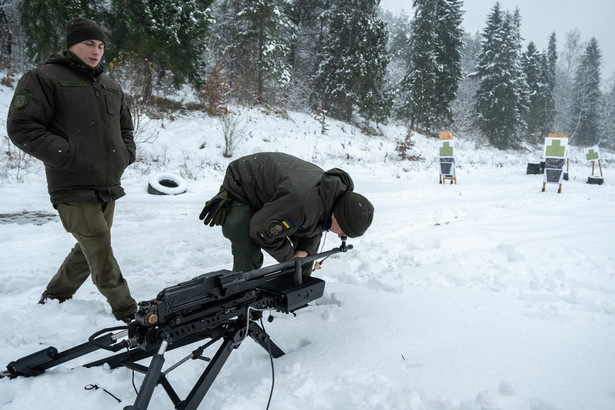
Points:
(89, 51)
(335, 228)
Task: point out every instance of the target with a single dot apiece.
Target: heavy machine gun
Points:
(217, 306)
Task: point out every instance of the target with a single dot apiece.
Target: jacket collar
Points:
(66, 57)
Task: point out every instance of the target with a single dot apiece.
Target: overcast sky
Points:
(539, 18)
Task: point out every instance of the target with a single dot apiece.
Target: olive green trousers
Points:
(247, 254)
(90, 223)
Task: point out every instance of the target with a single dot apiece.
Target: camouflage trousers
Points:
(90, 224)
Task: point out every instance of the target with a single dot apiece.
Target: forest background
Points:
(347, 59)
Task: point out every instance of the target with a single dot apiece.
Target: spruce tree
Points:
(434, 66)
(607, 117)
(352, 62)
(584, 117)
(567, 63)
(46, 20)
(266, 36)
(399, 50)
(449, 36)
(307, 21)
(463, 106)
(419, 84)
(168, 37)
(226, 51)
(536, 69)
(252, 42)
(501, 96)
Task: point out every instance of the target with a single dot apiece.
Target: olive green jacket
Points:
(292, 199)
(74, 119)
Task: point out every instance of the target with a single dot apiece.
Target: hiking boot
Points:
(46, 296)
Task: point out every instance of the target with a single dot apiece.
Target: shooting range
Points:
(592, 154)
(447, 157)
(556, 155)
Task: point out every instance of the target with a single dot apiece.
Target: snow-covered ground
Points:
(485, 294)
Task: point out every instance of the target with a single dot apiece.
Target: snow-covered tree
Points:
(584, 117)
(419, 85)
(352, 62)
(449, 36)
(398, 46)
(307, 19)
(251, 40)
(434, 66)
(607, 115)
(267, 35)
(46, 20)
(501, 99)
(168, 37)
(540, 76)
(463, 106)
(566, 68)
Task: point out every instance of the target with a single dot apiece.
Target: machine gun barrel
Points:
(292, 265)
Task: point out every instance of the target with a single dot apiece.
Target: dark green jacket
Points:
(74, 119)
(293, 199)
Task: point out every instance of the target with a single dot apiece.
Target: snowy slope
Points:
(487, 294)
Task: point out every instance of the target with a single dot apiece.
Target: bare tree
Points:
(234, 130)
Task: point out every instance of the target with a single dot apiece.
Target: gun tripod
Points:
(219, 306)
(232, 333)
(232, 336)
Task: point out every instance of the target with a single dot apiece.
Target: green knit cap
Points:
(80, 29)
(354, 213)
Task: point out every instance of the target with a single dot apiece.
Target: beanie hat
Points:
(80, 29)
(354, 213)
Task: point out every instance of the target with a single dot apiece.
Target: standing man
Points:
(71, 116)
(282, 204)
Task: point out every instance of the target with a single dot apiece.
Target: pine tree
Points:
(46, 20)
(536, 69)
(501, 97)
(434, 66)
(252, 41)
(584, 118)
(226, 51)
(352, 62)
(551, 79)
(566, 68)
(448, 58)
(267, 37)
(419, 84)
(463, 106)
(306, 18)
(168, 37)
(398, 46)
(607, 115)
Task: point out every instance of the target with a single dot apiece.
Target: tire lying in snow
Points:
(166, 184)
(595, 180)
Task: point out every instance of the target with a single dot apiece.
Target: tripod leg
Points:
(262, 338)
(201, 387)
(151, 380)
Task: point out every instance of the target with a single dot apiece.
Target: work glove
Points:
(216, 209)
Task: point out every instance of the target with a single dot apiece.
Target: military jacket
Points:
(292, 199)
(74, 119)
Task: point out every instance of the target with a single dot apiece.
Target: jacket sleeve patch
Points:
(20, 99)
(277, 228)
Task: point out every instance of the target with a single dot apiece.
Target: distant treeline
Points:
(347, 59)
